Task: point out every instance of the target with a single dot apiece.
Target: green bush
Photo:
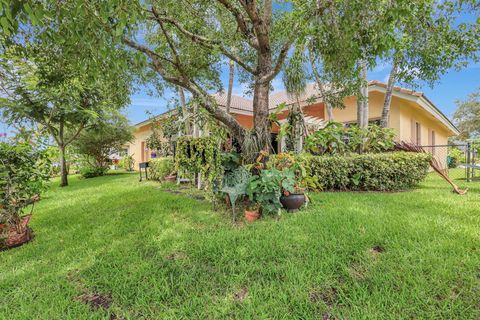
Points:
(159, 168)
(455, 157)
(90, 171)
(127, 162)
(391, 171)
(334, 138)
(24, 172)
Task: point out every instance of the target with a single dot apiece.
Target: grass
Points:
(161, 255)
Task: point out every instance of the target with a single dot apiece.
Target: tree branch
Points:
(75, 135)
(279, 62)
(207, 43)
(241, 23)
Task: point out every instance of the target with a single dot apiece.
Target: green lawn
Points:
(161, 256)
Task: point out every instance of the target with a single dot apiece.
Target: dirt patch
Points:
(327, 295)
(375, 251)
(173, 191)
(357, 271)
(176, 256)
(240, 295)
(95, 300)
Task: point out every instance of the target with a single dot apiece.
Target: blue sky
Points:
(455, 85)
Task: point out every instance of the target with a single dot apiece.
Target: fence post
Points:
(469, 170)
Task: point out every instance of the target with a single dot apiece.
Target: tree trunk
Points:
(261, 123)
(63, 167)
(362, 101)
(230, 85)
(184, 109)
(388, 95)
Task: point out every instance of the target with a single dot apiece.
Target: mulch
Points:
(15, 239)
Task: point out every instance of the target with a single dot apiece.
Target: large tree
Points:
(186, 42)
(467, 116)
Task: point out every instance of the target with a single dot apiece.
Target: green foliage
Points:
(230, 161)
(127, 163)
(164, 129)
(24, 172)
(298, 257)
(328, 140)
(91, 171)
(455, 156)
(199, 155)
(103, 139)
(159, 168)
(265, 190)
(336, 139)
(373, 139)
(304, 179)
(467, 116)
(370, 172)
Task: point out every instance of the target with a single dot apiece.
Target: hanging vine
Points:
(199, 155)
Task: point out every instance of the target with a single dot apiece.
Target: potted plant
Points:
(293, 196)
(172, 178)
(252, 212)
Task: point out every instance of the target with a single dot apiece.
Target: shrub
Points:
(92, 171)
(455, 156)
(127, 163)
(334, 138)
(159, 168)
(369, 172)
(24, 172)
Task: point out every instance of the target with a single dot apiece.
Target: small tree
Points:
(103, 139)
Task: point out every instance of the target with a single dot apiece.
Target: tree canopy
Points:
(467, 116)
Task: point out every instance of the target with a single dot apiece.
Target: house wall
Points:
(137, 147)
(245, 120)
(403, 116)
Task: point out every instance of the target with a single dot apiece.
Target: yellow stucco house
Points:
(413, 116)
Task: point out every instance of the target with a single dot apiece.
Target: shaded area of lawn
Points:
(164, 255)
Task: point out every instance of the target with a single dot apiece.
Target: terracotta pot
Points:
(251, 216)
(172, 179)
(293, 201)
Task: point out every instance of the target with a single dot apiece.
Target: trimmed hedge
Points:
(391, 171)
(89, 171)
(159, 168)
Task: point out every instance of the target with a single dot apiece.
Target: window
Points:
(432, 137)
(418, 134)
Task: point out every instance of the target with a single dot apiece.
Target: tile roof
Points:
(311, 91)
(238, 103)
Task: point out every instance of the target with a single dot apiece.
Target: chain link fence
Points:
(461, 160)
